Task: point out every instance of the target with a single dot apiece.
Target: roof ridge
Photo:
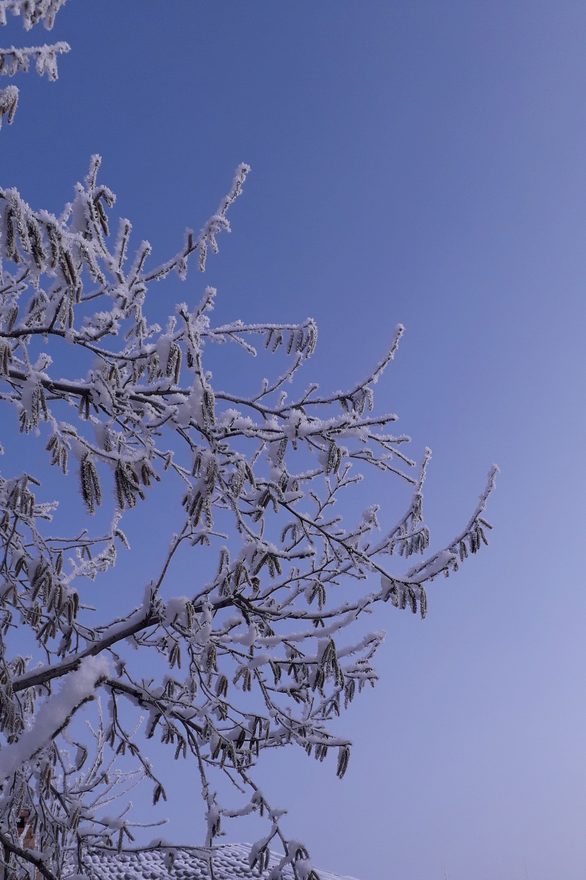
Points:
(107, 862)
(162, 844)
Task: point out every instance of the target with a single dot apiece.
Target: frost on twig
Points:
(261, 654)
(32, 12)
(14, 60)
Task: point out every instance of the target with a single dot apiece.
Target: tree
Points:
(251, 657)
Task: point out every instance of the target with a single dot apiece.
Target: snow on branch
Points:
(53, 715)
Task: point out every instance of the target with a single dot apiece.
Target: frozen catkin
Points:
(260, 647)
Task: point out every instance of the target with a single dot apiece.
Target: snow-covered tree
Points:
(257, 654)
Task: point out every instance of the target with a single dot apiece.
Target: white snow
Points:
(54, 714)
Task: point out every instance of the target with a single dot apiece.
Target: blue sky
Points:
(419, 162)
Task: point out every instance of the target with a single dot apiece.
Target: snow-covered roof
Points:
(189, 863)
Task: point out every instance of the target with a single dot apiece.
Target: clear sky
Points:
(421, 162)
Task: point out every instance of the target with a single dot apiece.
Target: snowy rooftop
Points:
(190, 863)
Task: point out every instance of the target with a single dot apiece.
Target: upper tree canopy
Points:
(257, 654)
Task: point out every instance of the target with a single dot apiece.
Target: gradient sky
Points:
(421, 162)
